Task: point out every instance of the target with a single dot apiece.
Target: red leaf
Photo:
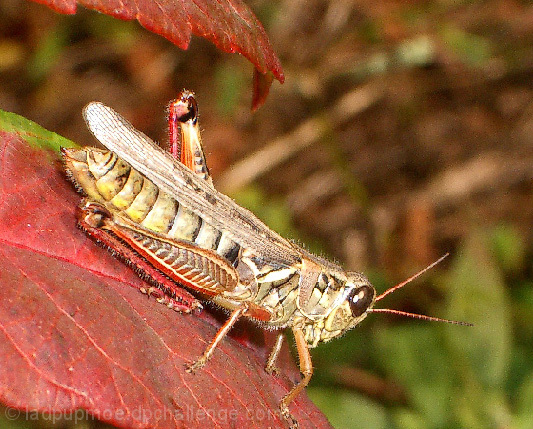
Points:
(229, 24)
(262, 83)
(73, 335)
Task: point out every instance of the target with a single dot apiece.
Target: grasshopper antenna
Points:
(410, 279)
(414, 315)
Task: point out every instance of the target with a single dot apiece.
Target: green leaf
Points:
(472, 49)
(524, 414)
(509, 247)
(408, 419)
(274, 212)
(31, 132)
(348, 410)
(417, 358)
(478, 295)
(229, 82)
(481, 354)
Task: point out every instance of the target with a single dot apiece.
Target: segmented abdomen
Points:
(111, 181)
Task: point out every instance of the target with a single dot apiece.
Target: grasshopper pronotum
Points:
(161, 213)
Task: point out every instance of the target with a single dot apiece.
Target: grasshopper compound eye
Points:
(360, 299)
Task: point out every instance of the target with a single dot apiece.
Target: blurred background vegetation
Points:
(404, 131)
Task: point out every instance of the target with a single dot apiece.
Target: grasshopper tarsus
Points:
(272, 370)
(287, 416)
(172, 303)
(198, 364)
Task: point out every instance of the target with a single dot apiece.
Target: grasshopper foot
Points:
(286, 414)
(272, 370)
(200, 363)
(174, 304)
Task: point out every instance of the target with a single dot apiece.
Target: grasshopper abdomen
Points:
(110, 181)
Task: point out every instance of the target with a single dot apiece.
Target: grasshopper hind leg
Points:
(93, 218)
(184, 134)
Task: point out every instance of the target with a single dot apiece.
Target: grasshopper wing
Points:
(220, 211)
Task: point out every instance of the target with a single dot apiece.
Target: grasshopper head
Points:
(350, 297)
(354, 299)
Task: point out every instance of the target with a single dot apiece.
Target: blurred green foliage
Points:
(471, 49)
(276, 214)
(230, 78)
(61, 35)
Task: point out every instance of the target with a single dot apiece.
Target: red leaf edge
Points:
(177, 24)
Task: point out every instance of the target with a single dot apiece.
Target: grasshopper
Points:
(160, 212)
